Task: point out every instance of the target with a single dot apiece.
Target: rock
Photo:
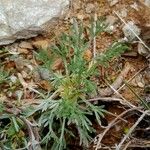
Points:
(128, 33)
(21, 19)
(130, 54)
(147, 3)
(41, 44)
(135, 6)
(142, 50)
(23, 50)
(138, 81)
(44, 73)
(20, 63)
(110, 21)
(123, 12)
(13, 78)
(19, 94)
(147, 75)
(90, 8)
(13, 48)
(113, 2)
(26, 45)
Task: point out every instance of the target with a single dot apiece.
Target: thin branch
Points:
(94, 39)
(105, 99)
(117, 83)
(110, 125)
(131, 130)
(124, 101)
(33, 142)
(132, 77)
(131, 30)
(127, 145)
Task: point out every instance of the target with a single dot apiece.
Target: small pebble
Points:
(113, 2)
(25, 45)
(44, 73)
(13, 78)
(90, 8)
(128, 33)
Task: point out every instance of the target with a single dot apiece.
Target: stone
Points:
(44, 73)
(135, 6)
(13, 78)
(130, 54)
(113, 2)
(110, 21)
(138, 81)
(90, 8)
(128, 31)
(142, 50)
(26, 45)
(23, 51)
(123, 12)
(41, 44)
(147, 3)
(22, 19)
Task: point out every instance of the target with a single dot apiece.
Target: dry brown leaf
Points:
(23, 50)
(87, 55)
(43, 44)
(58, 64)
(10, 65)
(45, 85)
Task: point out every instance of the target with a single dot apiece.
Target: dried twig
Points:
(31, 86)
(132, 77)
(131, 30)
(124, 101)
(131, 130)
(110, 125)
(117, 83)
(94, 39)
(33, 143)
(105, 99)
(127, 145)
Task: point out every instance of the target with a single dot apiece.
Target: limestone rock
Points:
(128, 33)
(21, 19)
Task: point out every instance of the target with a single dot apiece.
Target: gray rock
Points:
(26, 18)
(44, 73)
(142, 50)
(110, 21)
(128, 30)
(147, 3)
(26, 45)
(89, 8)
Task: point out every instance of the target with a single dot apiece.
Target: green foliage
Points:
(97, 27)
(114, 51)
(68, 105)
(11, 133)
(3, 76)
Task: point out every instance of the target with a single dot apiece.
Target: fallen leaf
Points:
(23, 50)
(45, 85)
(43, 44)
(87, 55)
(58, 64)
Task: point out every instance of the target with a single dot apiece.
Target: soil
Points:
(83, 10)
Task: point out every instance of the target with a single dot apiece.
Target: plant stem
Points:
(143, 102)
(62, 133)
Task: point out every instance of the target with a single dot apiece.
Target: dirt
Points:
(83, 10)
